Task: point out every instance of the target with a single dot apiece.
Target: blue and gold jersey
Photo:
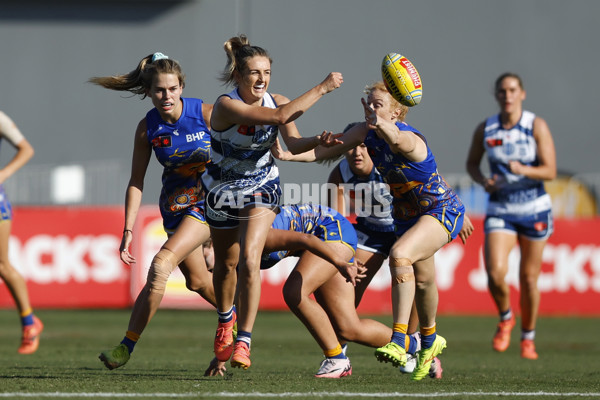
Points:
(416, 187)
(314, 219)
(183, 149)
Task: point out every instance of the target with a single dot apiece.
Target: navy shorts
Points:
(222, 207)
(537, 226)
(374, 241)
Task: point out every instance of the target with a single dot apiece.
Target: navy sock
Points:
(226, 316)
(506, 315)
(129, 343)
(427, 340)
(245, 337)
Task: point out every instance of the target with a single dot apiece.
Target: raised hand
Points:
(370, 114)
(333, 81)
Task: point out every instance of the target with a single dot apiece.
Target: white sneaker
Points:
(411, 363)
(435, 371)
(334, 368)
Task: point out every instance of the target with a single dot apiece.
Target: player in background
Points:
(177, 131)
(242, 183)
(32, 325)
(521, 155)
(427, 215)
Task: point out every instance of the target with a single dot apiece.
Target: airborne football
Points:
(402, 79)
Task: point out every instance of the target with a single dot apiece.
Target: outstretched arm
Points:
(228, 111)
(338, 145)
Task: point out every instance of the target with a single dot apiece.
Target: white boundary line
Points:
(294, 394)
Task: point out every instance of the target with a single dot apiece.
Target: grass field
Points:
(170, 359)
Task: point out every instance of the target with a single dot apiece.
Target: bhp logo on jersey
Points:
(195, 136)
(162, 141)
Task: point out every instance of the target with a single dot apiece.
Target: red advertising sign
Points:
(70, 259)
(569, 282)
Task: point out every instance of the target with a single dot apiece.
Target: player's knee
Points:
(163, 264)
(401, 270)
(197, 284)
(424, 284)
(252, 266)
(528, 280)
(348, 332)
(496, 276)
(249, 275)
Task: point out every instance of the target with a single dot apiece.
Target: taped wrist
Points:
(163, 263)
(401, 270)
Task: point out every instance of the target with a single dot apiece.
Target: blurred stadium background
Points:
(68, 199)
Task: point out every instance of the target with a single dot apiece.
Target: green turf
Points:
(177, 346)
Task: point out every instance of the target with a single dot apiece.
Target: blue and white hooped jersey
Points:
(373, 208)
(416, 187)
(314, 219)
(517, 194)
(183, 149)
(241, 156)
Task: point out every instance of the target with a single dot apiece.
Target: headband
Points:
(159, 56)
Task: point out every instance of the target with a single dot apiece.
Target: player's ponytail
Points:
(139, 80)
(239, 50)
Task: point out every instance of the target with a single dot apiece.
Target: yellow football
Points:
(402, 79)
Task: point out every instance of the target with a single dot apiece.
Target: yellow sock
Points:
(132, 336)
(27, 312)
(333, 352)
(427, 331)
(402, 328)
